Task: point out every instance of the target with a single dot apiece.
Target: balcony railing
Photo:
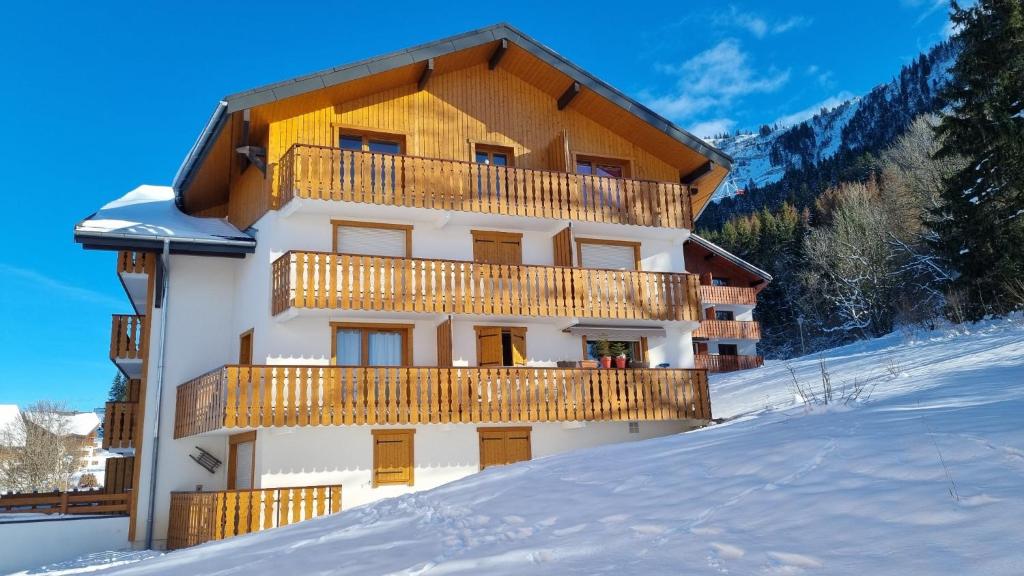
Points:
(120, 420)
(728, 295)
(286, 396)
(348, 282)
(728, 330)
(322, 173)
(198, 517)
(129, 262)
(127, 335)
(726, 362)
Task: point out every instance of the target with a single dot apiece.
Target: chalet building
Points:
(391, 274)
(727, 338)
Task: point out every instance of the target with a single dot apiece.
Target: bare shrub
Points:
(40, 453)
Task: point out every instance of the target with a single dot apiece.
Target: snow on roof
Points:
(150, 213)
(70, 423)
(9, 415)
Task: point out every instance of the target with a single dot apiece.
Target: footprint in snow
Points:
(569, 530)
(728, 551)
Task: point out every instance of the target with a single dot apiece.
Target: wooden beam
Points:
(428, 70)
(701, 171)
(568, 95)
(498, 54)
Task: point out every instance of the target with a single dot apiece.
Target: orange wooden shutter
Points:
(518, 346)
(562, 245)
(488, 346)
(497, 247)
(499, 446)
(444, 343)
(392, 457)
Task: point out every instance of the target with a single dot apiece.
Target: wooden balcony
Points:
(726, 362)
(120, 422)
(198, 517)
(728, 330)
(126, 337)
(348, 282)
(321, 173)
(728, 295)
(289, 396)
(129, 262)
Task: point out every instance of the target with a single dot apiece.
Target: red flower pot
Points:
(620, 362)
(606, 361)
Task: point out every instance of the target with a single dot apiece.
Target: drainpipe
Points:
(165, 261)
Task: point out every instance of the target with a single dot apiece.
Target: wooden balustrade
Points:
(120, 420)
(728, 295)
(351, 282)
(130, 262)
(197, 517)
(726, 362)
(127, 334)
(287, 396)
(322, 173)
(728, 329)
(76, 502)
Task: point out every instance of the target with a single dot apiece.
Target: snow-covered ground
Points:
(926, 476)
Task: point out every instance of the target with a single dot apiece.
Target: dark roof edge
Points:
(711, 246)
(392, 60)
(231, 248)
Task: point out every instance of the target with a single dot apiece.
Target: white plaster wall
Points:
(199, 339)
(442, 453)
(26, 545)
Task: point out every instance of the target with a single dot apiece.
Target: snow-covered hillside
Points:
(866, 122)
(924, 477)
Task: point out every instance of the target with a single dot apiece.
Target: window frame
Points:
(335, 224)
(410, 434)
(502, 330)
(641, 345)
(366, 328)
(233, 441)
(491, 150)
(366, 134)
(597, 159)
(581, 241)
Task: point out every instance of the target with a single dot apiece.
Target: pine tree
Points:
(118, 388)
(981, 226)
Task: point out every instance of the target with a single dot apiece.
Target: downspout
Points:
(165, 260)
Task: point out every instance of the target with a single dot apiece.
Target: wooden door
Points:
(500, 446)
(393, 457)
(245, 348)
(444, 343)
(241, 461)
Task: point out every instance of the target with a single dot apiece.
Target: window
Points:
(370, 142)
(728, 350)
(245, 348)
(716, 281)
(608, 254)
(635, 349)
(241, 460)
(724, 315)
(606, 167)
(497, 247)
(393, 461)
(500, 446)
(700, 347)
(372, 238)
(493, 155)
(500, 346)
(355, 344)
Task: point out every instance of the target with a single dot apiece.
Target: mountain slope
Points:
(765, 160)
(860, 489)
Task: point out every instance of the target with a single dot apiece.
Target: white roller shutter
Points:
(608, 256)
(371, 241)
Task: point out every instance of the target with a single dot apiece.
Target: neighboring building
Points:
(384, 276)
(80, 428)
(728, 334)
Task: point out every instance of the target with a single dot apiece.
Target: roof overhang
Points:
(718, 250)
(402, 58)
(615, 332)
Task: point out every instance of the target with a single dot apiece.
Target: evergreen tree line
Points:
(931, 226)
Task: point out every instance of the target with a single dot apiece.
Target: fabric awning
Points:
(615, 332)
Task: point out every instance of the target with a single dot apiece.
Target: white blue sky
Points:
(104, 96)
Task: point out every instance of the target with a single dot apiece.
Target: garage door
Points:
(500, 446)
(371, 241)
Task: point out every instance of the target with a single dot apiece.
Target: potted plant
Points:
(618, 350)
(603, 350)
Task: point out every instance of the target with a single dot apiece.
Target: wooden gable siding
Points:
(472, 105)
